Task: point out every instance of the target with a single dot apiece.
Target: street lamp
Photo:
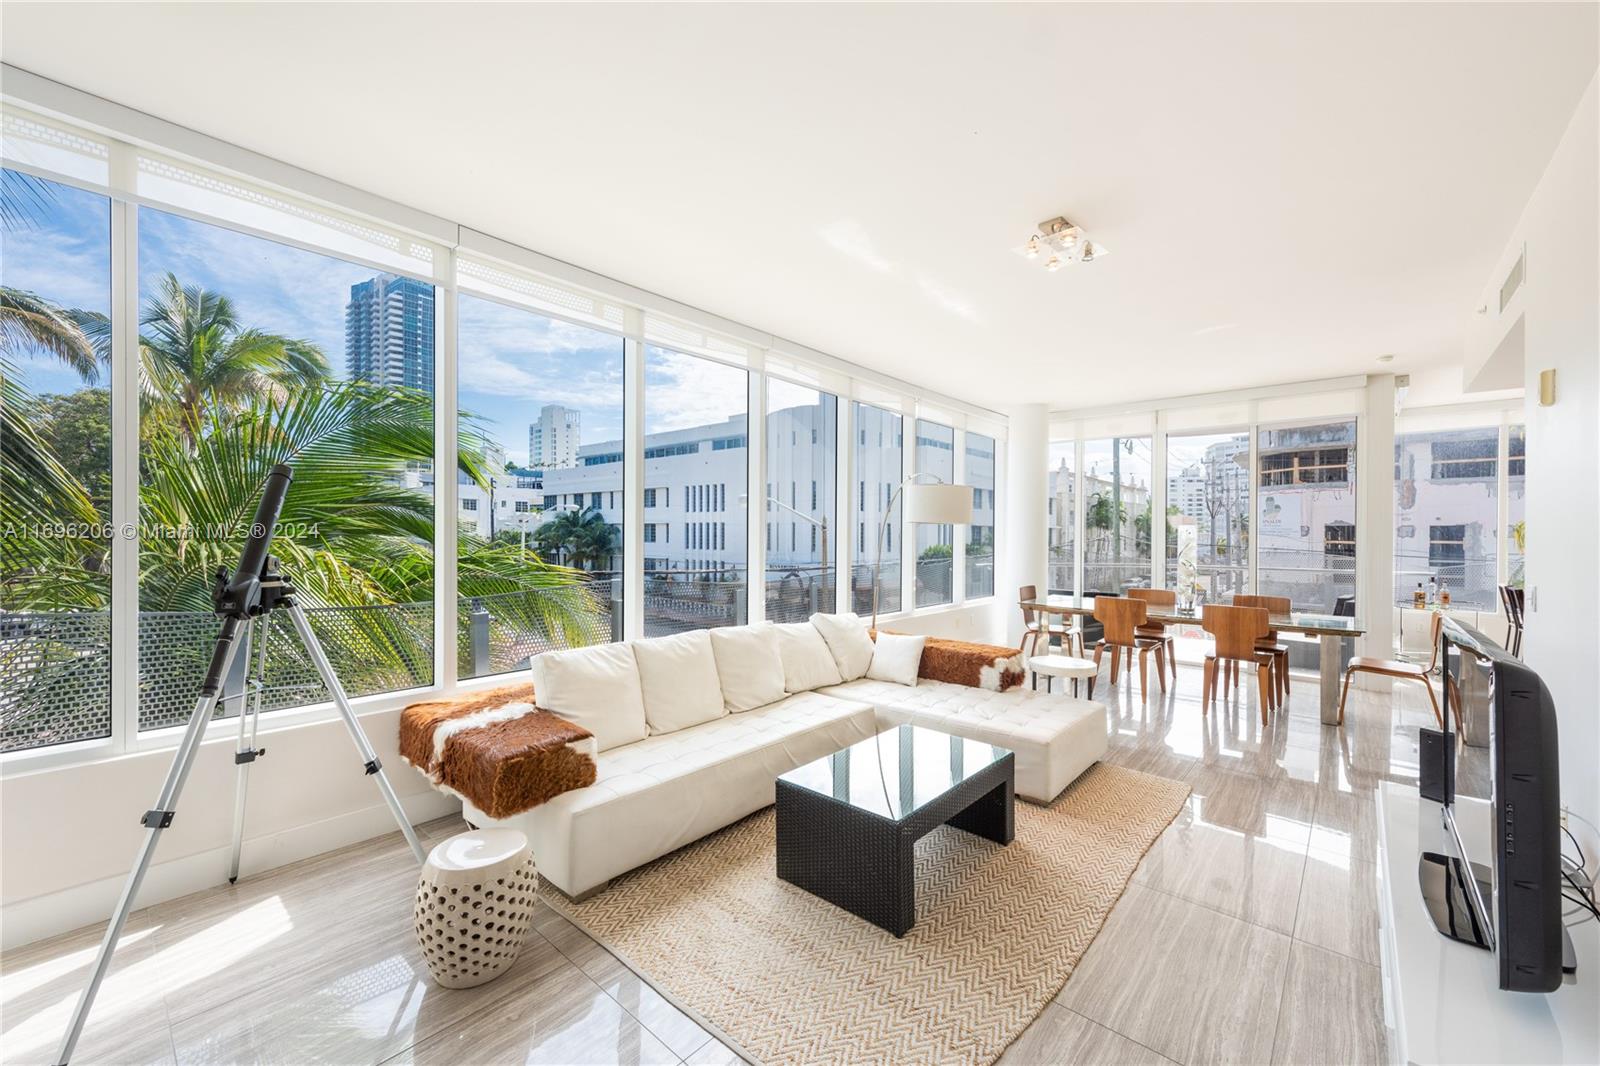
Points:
(820, 523)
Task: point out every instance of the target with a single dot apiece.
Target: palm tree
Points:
(583, 539)
(193, 351)
(30, 321)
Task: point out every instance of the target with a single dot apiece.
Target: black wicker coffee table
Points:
(848, 823)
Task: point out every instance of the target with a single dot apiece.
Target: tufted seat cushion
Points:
(1055, 738)
(660, 793)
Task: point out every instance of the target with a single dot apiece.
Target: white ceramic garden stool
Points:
(1062, 666)
(475, 901)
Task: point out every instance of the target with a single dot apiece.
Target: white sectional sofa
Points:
(684, 749)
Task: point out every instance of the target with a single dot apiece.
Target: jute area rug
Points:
(789, 978)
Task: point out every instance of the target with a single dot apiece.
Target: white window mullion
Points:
(633, 478)
(125, 475)
(446, 489)
(1158, 503)
(755, 512)
(844, 505)
(1080, 547)
(958, 538)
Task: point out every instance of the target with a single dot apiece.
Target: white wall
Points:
(980, 623)
(71, 833)
(1560, 307)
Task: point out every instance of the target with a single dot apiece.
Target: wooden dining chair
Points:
(1404, 670)
(1121, 618)
(1236, 631)
(1036, 624)
(1278, 605)
(1511, 602)
(1159, 630)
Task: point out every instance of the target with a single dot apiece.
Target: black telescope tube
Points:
(260, 535)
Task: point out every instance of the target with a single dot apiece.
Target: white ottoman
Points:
(475, 901)
(1062, 666)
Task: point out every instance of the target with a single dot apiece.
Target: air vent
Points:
(1513, 282)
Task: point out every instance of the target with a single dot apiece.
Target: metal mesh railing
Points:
(680, 600)
(796, 593)
(500, 633)
(55, 677)
(373, 649)
(935, 581)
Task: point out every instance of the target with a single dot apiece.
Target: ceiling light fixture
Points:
(1065, 242)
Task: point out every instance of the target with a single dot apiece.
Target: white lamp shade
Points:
(939, 505)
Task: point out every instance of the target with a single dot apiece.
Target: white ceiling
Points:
(1288, 191)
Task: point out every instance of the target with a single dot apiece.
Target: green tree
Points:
(582, 539)
(77, 427)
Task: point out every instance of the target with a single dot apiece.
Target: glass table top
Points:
(1294, 621)
(897, 772)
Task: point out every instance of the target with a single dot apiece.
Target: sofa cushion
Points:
(1055, 737)
(807, 662)
(847, 638)
(596, 688)
(678, 678)
(896, 658)
(655, 796)
(749, 666)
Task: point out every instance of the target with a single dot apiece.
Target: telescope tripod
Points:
(242, 610)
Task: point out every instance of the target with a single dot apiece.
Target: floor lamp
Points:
(939, 504)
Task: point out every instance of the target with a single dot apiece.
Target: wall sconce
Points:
(1547, 388)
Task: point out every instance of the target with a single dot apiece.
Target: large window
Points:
(876, 467)
(55, 466)
(1208, 513)
(696, 425)
(1447, 514)
(1061, 514)
(1116, 492)
(980, 454)
(800, 526)
(935, 455)
(1306, 514)
(253, 353)
(538, 399)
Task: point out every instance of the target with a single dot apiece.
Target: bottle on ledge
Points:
(1444, 595)
(1419, 598)
(1433, 590)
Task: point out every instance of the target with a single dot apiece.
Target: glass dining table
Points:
(1330, 629)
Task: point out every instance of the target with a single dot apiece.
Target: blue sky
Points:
(512, 361)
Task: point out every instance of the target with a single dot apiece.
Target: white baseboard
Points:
(91, 903)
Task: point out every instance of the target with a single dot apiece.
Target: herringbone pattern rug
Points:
(792, 979)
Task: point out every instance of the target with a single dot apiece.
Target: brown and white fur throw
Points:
(496, 749)
(960, 662)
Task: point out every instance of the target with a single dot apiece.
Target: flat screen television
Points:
(1513, 906)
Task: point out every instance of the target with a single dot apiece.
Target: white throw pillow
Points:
(748, 665)
(596, 688)
(846, 636)
(896, 658)
(807, 662)
(678, 676)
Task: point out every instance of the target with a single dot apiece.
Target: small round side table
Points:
(475, 901)
(1062, 666)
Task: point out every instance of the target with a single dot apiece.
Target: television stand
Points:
(1442, 880)
(1441, 998)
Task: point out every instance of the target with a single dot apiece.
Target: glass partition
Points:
(696, 414)
(539, 405)
(55, 469)
(876, 465)
(1447, 516)
(1208, 513)
(1061, 514)
(254, 352)
(980, 458)
(1116, 521)
(935, 455)
(1306, 514)
(801, 528)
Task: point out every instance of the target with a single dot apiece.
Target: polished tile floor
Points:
(1247, 935)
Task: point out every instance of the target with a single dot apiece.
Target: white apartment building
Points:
(555, 439)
